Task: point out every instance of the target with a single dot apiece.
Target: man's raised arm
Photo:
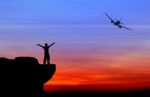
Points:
(51, 44)
(40, 45)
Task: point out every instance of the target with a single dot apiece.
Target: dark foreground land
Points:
(24, 77)
(135, 93)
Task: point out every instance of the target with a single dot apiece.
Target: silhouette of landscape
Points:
(133, 93)
(24, 76)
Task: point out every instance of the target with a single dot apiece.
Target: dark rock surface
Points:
(24, 76)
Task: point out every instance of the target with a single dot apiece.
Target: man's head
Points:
(46, 44)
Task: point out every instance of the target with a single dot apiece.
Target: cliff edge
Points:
(24, 76)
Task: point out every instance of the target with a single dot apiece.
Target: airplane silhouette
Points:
(117, 22)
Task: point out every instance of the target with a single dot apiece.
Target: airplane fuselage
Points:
(117, 23)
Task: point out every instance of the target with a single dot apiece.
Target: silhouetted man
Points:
(46, 52)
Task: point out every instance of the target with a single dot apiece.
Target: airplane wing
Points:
(126, 27)
(109, 17)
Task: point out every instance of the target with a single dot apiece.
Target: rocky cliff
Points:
(24, 76)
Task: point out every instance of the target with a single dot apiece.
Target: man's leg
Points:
(44, 62)
(48, 59)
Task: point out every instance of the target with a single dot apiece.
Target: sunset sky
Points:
(89, 51)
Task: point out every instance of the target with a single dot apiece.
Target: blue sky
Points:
(72, 22)
(72, 11)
